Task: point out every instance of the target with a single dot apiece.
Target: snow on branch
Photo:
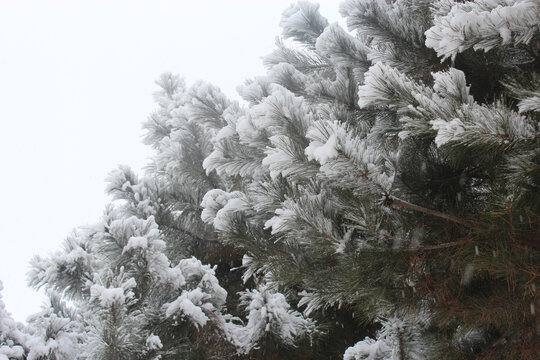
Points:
(269, 314)
(446, 111)
(303, 22)
(484, 25)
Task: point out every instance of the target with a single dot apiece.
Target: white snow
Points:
(7, 352)
(223, 216)
(483, 24)
(302, 20)
(447, 131)
(268, 312)
(184, 306)
(323, 152)
(136, 242)
(108, 296)
(367, 349)
(153, 342)
(219, 207)
(531, 103)
(279, 222)
(207, 296)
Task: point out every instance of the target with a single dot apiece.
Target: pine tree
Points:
(14, 341)
(130, 300)
(375, 197)
(399, 185)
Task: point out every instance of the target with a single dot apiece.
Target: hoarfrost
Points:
(323, 152)
(153, 342)
(108, 296)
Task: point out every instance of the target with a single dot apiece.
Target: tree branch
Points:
(436, 247)
(389, 201)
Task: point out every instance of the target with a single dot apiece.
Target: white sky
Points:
(76, 82)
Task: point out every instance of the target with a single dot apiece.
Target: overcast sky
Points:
(76, 82)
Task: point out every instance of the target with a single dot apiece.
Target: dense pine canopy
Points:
(376, 195)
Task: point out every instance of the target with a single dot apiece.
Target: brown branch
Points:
(436, 247)
(389, 201)
(363, 174)
(406, 205)
(401, 347)
(422, 248)
(330, 237)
